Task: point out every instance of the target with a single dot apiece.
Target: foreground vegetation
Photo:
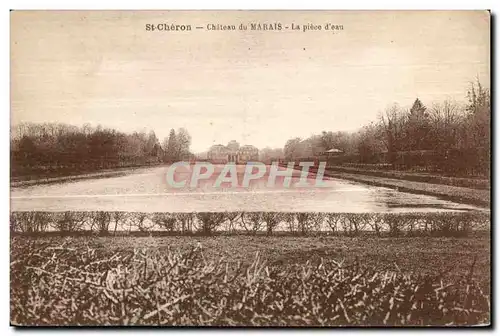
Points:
(329, 269)
(293, 281)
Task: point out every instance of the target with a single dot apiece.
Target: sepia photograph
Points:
(250, 168)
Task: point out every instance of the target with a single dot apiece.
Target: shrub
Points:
(376, 222)
(140, 221)
(166, 221)
(231, 218)
(358, 222)
(346, 225)
(272, 220)
(63, 284)
(395, 224)
(15, 223)
(119, 218)
(30, 221)
(100, 221)
(186, 221)
(290, 220)
(69, 221)
(252, 221)
(210, 221)
(333, 221)
(309, 221)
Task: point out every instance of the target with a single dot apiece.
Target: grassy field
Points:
(421, 255)
(52, 278)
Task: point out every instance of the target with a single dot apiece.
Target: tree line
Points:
(251, 223)
(446, 136)
(56, 148)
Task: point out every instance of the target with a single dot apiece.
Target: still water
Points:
(147, 190)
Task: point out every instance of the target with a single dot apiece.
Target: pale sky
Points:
(256, 87)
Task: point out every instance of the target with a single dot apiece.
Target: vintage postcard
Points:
(250, 168)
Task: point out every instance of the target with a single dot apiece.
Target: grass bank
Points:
(479, 197)
(474, 183)
(37, 180)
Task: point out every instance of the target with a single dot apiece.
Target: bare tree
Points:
(272, 219)
(14, 222)
(69, 221)
(186, 221)
(139, 220)
(479, 113)
(30, 221)
(358, 222)
(210, 221)
(333, 220)
(392, 125)
(308, 221)
(231, 218)
(290, 219)
(375, 221)
(292, 148)
(166, 221)
(395, 224)
(100, 221)
(118, 216)
(446, 119)
(183, 143)
(252, 221)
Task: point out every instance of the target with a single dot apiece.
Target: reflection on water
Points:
(147, 191)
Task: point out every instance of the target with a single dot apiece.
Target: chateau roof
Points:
(334, 150)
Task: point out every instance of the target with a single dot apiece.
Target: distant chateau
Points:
(232, 153)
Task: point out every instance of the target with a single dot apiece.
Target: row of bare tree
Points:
(208, 223)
